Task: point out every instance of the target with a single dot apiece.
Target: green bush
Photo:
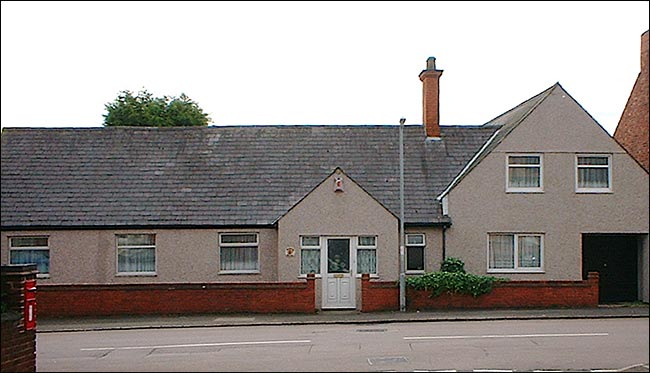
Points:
(452, 265)
(453, 279)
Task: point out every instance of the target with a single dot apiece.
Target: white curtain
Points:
(309, 261)
(136, 260)
(502, 251)
(524, 177)
(239, 258)
(366, 261)
(529, 251)
(593, 177)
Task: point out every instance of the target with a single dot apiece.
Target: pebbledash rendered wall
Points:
(89, 256)
(349, 213)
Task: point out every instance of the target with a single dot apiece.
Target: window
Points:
(593, 173)
(239, 253)
(136, 254)
(524, 173)
(367, 254)
(309, 255)
(28, 250)
(515, 252)
(415, 252)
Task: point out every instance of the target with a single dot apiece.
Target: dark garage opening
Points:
(615, 258)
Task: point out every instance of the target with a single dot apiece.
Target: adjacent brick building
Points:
(632, 129)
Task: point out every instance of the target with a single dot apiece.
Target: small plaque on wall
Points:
(290, 251)
(338, 184)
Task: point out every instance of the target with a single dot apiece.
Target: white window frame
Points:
(516, 268)
(609, 173)
(117, 255)
(422, 245)
(311, 248)
(32, 248)
(357, 246)
(237, 244)
(510, 189)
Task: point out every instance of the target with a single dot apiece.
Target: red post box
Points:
(30, 304)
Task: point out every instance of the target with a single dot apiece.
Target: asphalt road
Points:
(508, 345)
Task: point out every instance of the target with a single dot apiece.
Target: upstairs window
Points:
(239, 253)
(524, 173)
(593, 173)
(31, 250)
(136, 254)
(415, 252)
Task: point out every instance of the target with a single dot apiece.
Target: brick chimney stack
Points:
(431, 98)
(644, 53)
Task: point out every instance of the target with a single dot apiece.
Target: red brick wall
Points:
(514, 294)
(378, 295)
(18, 346)
(384, 296)
(177, 298)
(632, 129)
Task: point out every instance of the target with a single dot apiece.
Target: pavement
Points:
(74, 324)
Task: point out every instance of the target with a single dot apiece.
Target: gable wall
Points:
(558, 129)
(350, 213)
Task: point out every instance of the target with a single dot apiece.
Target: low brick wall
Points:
(18, 351)
(177, 298)
(384, 296)
(378, 295)
(514, 294)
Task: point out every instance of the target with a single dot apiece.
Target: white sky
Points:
(315, 62)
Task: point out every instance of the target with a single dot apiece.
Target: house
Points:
(541, 192)
(632, 129)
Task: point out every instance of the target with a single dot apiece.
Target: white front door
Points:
(339, 279)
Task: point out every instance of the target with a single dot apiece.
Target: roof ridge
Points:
(523, 104)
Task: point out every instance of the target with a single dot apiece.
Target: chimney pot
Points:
(431, 63)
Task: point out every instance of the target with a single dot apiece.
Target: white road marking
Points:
(509, 336)
(197, 345)
(624, 369)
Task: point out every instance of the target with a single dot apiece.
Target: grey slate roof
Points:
(216, 176)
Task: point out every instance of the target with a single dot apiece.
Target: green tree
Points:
(144, 110)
